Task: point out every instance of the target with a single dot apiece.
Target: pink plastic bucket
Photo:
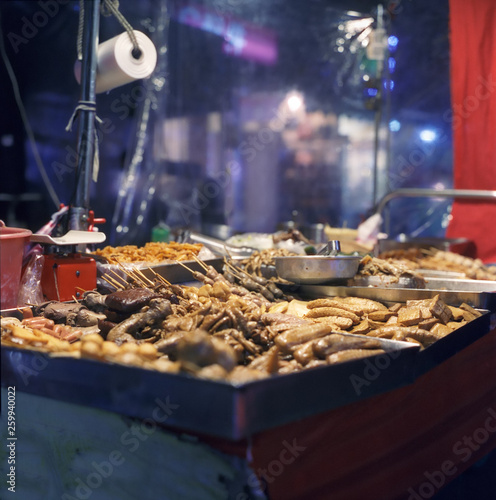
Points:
(12, 243)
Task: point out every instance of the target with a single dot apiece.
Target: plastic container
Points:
(12, 243)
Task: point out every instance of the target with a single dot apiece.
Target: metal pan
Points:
(209, 407)
(316, 269)
(389, 296)
(442, 349)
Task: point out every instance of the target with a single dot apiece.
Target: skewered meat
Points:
(374, 266)
(157, 311)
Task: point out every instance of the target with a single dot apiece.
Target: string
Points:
(88, 106)
(111, 7)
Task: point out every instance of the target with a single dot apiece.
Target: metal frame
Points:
(466, 194)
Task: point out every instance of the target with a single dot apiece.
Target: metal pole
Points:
(78, 218)
(378, 111)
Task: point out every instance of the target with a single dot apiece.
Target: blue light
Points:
(391, 64)
(391, 84)
(372, 92)
(392, 42)
(394, 125)
(428, 135)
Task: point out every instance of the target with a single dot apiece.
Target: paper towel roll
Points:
(116, 65)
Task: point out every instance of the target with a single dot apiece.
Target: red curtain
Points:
(473, 117)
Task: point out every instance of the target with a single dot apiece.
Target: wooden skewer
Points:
(112, 282)
(118, 284)
(237, 272)
(123, 285)
(185, 267)
(160, 277)
(140, 273)
(132, 275)
(200, 262)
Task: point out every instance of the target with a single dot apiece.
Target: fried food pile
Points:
(235, 327)
(439, 260)
(420, 322)
(152, 252)
(388, 266)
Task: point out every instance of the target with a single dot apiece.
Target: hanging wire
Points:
(25, 120)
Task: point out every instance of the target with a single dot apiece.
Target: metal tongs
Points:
(331, 249)
(217, 246)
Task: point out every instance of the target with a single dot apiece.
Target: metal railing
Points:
(467, 194)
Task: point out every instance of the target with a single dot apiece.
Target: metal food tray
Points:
(203, 406)
(442, 349)
(392, 294)
(435, 282)
(457, 284)
(171, 271)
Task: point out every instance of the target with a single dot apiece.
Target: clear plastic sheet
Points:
(30, 289)
(258, 114)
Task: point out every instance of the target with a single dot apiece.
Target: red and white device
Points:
(66, 273)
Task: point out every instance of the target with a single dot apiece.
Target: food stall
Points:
(274, 363)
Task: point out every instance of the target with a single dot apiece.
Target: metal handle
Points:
(219, 246)
(332, 248)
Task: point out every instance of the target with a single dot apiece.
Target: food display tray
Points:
(392, 294)
(442, 349)
(171, 271)
(434, 282)
(203, 406)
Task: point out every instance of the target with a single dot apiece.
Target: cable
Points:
(27, 125)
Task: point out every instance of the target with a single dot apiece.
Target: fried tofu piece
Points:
(427, 324)
(362, 328)
(409, 316)
(457, 313)
(396, 307)
(393, 320)
(382, 315)
(456, 324)
(470, 309)
(441, 330)
(440, 310)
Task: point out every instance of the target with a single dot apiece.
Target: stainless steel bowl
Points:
(316, 269)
